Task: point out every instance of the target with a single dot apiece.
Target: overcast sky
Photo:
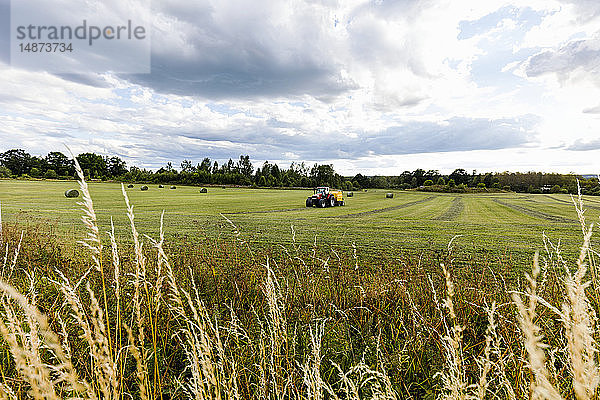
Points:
(376, 87)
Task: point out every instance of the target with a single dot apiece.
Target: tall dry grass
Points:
(146, 332)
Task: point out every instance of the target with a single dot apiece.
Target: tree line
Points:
(460, 180)
(55, 165)
(17, 163)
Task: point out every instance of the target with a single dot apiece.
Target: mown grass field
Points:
(499, 226)
(265, 272)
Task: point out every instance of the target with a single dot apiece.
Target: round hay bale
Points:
(203, 190)
(130, 186)
(389, 195)
(173, 187)
(350, 194)
(144, 187)
(71, 193)
(161, 186)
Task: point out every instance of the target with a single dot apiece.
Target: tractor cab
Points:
(321, 191)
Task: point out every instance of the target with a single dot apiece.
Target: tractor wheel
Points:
(322, 203)
(308, 203)
(332, 201)
(342, 203)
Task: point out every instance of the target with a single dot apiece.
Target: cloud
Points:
(581, 145)
(580, 56)
(393, 53)
(586, 10)
(95, 80)
(456, 134)
(592, 110)
(220, 50)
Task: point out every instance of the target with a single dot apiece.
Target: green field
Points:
(497, 225)
(369, 272)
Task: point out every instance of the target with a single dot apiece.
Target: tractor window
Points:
(321, 190)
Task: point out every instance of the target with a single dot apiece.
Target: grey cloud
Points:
(584, 54)
(592, 110)
(394, 102)
(580, 145)
(456, 134)
(585, 9)
(232, 80)
(10, 99)
(94, 80)
(220, 51)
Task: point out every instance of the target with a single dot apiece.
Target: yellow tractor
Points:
(324, 197)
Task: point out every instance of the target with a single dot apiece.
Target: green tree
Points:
(419, 174)
(245, 166)
(555, 189)
(428, 182)
(204, 165)
(186, 166)
(93, 164)
(60, 163)
(363, 181)
(460, 176)
(379, 182)
(5, 172)
(116, 167)
(50, 174)
(323, 175)
(17, 160)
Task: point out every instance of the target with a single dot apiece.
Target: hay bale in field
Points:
(203, 190)
(161, 186)
(173, 187)
(223, 187)
(389, 195)
(144, 187)
(71, 193)
(130, 186)
(350, 194)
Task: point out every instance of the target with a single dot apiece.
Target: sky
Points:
(376, 87)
